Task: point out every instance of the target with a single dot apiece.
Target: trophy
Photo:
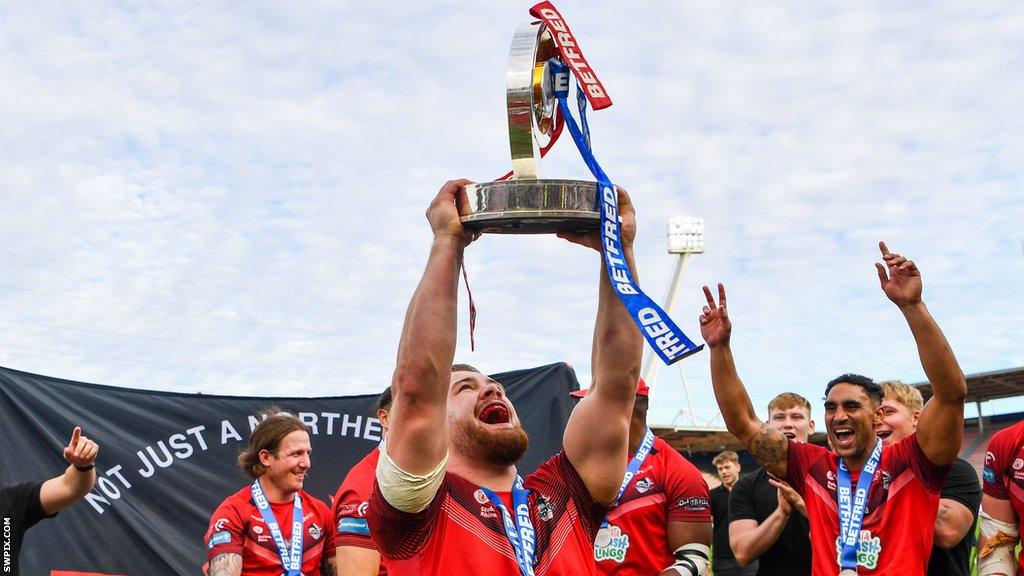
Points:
(526, 203)
(544, 57)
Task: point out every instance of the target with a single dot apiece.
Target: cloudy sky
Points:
(229, 198)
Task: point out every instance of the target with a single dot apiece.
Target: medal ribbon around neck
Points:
(851, 512)
(634, 465)
(291, 556)
(519, 531)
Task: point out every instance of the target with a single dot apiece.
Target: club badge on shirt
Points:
(611, 544)
(869, 549)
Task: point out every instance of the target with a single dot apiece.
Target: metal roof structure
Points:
(986, 386)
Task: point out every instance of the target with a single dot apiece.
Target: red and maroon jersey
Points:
(667, 488)
(237, 527)
(899, 522)
(1003, 476)
(462, 534)
(351, 502)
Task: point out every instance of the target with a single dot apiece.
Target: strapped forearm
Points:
(998, 541)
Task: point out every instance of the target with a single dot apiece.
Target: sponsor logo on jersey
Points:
(1018, 464)
(990, 458)
(220, 524)
(611, 544)
(315, 531)
(480, 496)
(988, 475)
(643, 485)
(349, 509)
(257, 529)
(353, 526)
(886, 479)
(544, 509)
(488, 511)
(869, 550)
(693, 503)
(363, 507)
(218, 539)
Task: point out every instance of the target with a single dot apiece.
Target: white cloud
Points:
(230, 198)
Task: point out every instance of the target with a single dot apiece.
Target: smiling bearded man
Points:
(872, 510)
(251, 532)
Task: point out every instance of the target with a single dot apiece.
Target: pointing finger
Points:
(711, 299)
(883, 248)
(75, 435)
(721, 295)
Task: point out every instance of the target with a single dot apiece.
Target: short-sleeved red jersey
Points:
(462, 534)
(237, 527)
(1003, 476)
(350, 504)
(899, 521)
(667, 488)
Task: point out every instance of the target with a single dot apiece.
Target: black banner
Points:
(167, 460)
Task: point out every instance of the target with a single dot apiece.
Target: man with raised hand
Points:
(860, 497)
(663, 506)
(765, 523)
(356, 553)
(960, 498)
(23, 505)
(1002, 504)
(448, 499)
(272, 527)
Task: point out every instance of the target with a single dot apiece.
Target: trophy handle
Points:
(532, 108)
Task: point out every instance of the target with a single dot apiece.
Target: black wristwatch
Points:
(85, 468)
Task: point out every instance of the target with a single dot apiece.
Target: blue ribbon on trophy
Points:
(544, 58)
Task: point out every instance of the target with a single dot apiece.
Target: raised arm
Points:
(941, 426)
(418, 435)
(769, 446)
(597, 434)
(58, 493)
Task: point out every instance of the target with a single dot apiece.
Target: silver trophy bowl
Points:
(527, 203)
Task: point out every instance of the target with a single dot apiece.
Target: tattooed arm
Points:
(226, 565)
(769, 446)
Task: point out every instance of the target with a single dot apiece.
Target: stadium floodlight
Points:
(685, 235)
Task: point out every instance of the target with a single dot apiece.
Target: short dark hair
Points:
(267, 435)
(384, 400)
(871, 388)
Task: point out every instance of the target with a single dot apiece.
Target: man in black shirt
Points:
(765, 524)
(723, 561)
(23, 505)
(960, 498)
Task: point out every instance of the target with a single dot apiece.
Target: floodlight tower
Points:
(685, 237)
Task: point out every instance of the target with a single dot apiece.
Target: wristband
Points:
(84, 468)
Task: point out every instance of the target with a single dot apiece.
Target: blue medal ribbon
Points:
(851, 511)
(667, 340)
(291, 556)
(519, 531)
(634, 465)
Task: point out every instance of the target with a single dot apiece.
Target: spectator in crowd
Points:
(724, 563)
(663, 504)
(252, 532)
(23, 505)
(765, 521)
(896, 483)
(1002, 505)
(960, 497)
(448, 499)
(356, 553)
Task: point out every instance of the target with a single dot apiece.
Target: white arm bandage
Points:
(997, 555)
(407, 492)
(691, 560)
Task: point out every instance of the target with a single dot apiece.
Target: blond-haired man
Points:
(765, 524)
(960, 497)
(724, 563)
